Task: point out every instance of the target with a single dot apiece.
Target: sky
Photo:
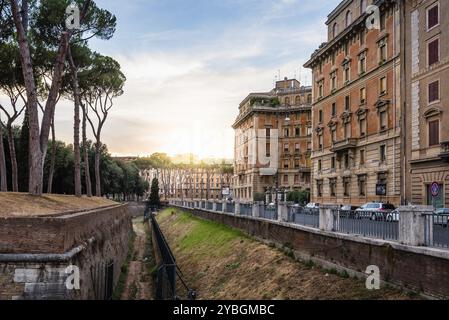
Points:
(189, 63)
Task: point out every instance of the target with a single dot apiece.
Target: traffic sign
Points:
(435, 189)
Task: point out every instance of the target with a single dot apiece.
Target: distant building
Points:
(281, 119)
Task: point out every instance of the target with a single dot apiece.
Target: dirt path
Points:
(139, 284)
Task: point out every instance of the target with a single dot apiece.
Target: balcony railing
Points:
(445, 151)
(344, 145)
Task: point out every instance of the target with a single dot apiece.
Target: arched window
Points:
(334, 30)
(297, 100)
(362, 6)
(287, 101)
(348, 18)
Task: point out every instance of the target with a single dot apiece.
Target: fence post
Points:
(282, 211)
(256, 209)
(214, 206)
(223, 206)
(326, 218)
(237, 208)
(412, 225)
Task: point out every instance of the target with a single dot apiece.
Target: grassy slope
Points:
(223, 263)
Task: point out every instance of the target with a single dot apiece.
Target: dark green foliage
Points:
(300, 197)
(154, 193)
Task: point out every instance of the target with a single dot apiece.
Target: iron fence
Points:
(304, 216)
(268, 212)
(230, 207)
(219, 206)
(246, 209)
(436, 231)
(210, 205)
(371, 224)
(166, 272)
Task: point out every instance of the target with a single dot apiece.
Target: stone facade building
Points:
(273, 142)
(356, 112)
(426, 56)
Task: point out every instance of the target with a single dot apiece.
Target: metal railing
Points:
(246, 209)
(268, 212)
(304, 216)
(230, 207)
(436, 231)
(166, 272)
(219, 206)
(369, 224)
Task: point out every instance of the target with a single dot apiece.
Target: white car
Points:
(374, 211)
(312, 205)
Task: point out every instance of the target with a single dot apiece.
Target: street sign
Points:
(435, 189)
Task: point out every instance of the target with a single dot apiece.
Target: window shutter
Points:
(434, 133)
(434, 94)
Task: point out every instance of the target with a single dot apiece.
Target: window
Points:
(319, 188)
(267, 132)
(348, 18)
(320, 141)
(286, 132)
(296, 178)
(309, 146)
(383, 120)
(362, 96)
(334, 109)
(433, 16)
(286, 147)
(320, 89)
(434, 91)
(434, 133)
(297, 100)
(320, 165)
(296, 164)
(362, 63)
(433, 51)
(286, 164)
(334, 135)
(297, 147)
(346, 161)
(267, 150)
(362, 37)
(362, 6)
(346, 186)
(347, 72)
(382, 51)
(347, 130)
(383, 20)
(333, 163)
(347, 102)
(320, 116)
(297, 131)
(309, 98)
(334, 30)
(333, 186)
(285, 178)
(334, 80)
(362, 125)
(383, 153)
(362, 185)
(287, 101)
(362, 157)
(383, 86)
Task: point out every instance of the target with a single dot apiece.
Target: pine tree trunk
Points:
(52, 160)
(3, 180)
(97, 169)
(86, 155)
(76, 126)
(12, 155)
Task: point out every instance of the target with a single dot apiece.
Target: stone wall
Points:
(416, 268)
(91, 241)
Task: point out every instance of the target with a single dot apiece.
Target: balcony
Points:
(344, 145)
(444, 155)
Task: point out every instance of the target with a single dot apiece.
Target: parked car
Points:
(393, 216)
(374, 211)
(348, 211)
(442, 217)
(312, 205)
